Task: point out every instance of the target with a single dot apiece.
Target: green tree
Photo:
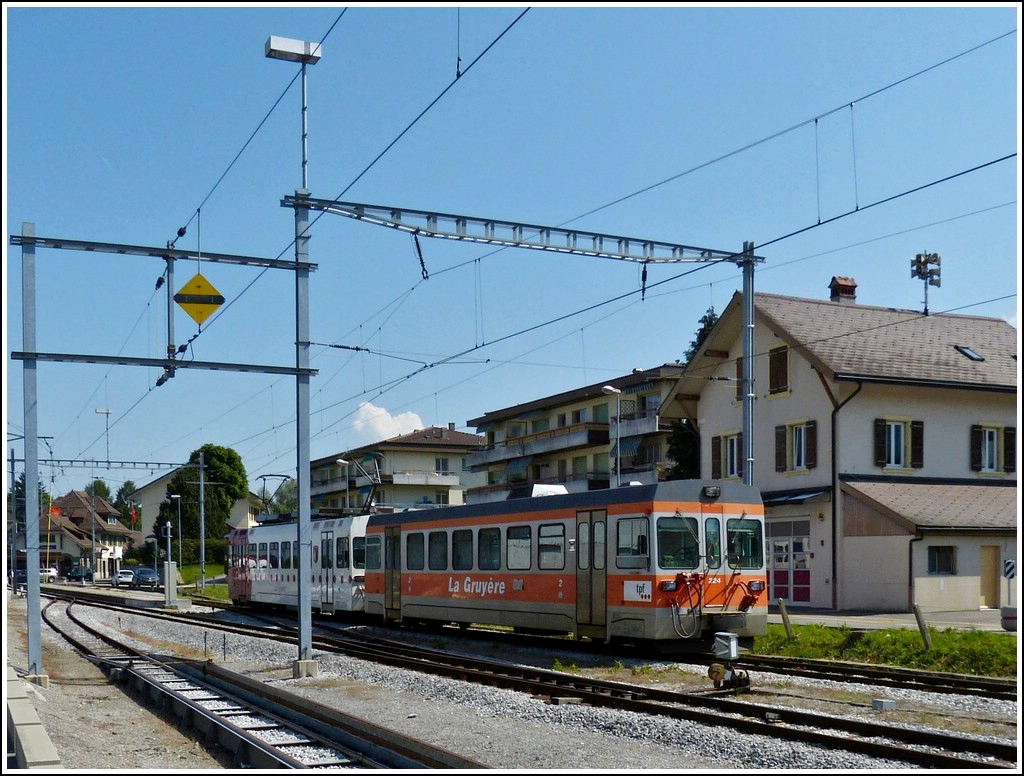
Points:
(98, 488)
(16, 500)
(122, 503)
(684, 438)
(286, 500)
(225, 482)
(707, 323)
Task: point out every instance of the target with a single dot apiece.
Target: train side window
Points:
(631, 549)
(295, 555)
(745, 540)
(373, 552)
(437, 550)
(341, 552)
(583, 545)
(518, 547)
(678, 543)
(414, 552)
(551, 546)
(275, 556)
(262, 560)
(252, 556)
(489, 549)
(462, 549)
(286, 555)
(713, 542)
(359, 552)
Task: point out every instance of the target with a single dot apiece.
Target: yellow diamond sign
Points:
(199, 298)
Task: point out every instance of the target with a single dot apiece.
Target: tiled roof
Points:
(953, 506)
(852, 340)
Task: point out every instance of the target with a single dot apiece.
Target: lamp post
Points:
(105, 411)
(177, 497)
(610, 389)
(305, 53)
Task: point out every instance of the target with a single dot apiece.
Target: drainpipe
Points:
(835, 493)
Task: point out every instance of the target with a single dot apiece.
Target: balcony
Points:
(633, 425)
(429, 478)
(580, 435)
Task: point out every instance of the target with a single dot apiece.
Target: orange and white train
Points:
(670, 564)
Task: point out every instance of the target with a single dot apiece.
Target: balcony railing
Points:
(555, 439)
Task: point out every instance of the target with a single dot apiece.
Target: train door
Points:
(327, 571)
(392, 573)
(591, 573)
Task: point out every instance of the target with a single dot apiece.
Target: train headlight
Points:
(757, 586)
(668, 585)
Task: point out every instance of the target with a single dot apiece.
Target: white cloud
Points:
(375, 424)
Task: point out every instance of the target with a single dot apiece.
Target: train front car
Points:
(670, 564)
(707, 566)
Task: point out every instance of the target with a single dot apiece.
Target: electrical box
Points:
(727, 646)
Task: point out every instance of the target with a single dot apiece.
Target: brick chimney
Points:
(844, 290)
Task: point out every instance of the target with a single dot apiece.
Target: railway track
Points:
(913, 746)
(261, 726)
(885, 676)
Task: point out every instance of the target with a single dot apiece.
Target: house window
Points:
(537, 426)
(562, 420)
(441, 465)
(579, 464)
(441, 497)
(899, 443)
(942, 560)
(727, 456)
(579, 416)
(778, 370)
(993, 449)
(796, 446)
(739, 379)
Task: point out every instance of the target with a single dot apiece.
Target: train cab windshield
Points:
(746, 544)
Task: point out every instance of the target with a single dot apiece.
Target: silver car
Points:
(123, 577)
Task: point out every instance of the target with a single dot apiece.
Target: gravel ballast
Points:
(499, 728)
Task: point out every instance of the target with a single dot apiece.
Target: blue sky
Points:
(841, 140)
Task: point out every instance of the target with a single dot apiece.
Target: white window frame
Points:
(731, 466)
(990, 442)
(897, 435)
(798, 446)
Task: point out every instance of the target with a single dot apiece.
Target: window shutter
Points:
(778, 377)
(976, 448)
(780, 448)
(739, 455)
(1010, 449)
(811, 441)
(716, 458)
(917, 444)
(879, 441)
(739, 379)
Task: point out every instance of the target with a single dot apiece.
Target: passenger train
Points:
(669, 564)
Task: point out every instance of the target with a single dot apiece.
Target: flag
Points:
(135, 517)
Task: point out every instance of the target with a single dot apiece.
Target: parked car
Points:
(123, 577)
(145, 577)
(48, 575)
(80, 574)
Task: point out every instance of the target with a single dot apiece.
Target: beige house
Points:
(885, 448)
(576, 438)
(422, 468)
(86, 531)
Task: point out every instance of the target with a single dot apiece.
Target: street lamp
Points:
(610, 389)
(106, 411)
(177, 497)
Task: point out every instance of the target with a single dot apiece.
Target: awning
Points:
(517, 466)
(793, 498)
(627, 446)
(640, 388)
